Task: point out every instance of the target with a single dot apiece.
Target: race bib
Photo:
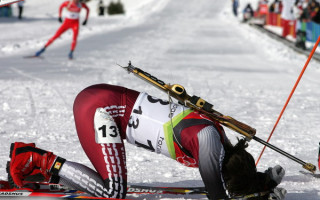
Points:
(72, 15)
(106, 130)
(150, 121)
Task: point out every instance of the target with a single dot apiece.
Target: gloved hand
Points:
(276, 173)
(84, 22)
(277, 194)
(60, 19)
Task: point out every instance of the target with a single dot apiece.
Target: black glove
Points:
(276, 173)
(60, 19)
(84, 22)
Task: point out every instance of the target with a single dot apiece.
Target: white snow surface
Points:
(198, 44)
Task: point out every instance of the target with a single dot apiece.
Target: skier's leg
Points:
(31, 164)
(83, 178)
(75, 29)
(20, 12)
(94, 108)
(65, 26)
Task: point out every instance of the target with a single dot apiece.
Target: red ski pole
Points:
(292, 91)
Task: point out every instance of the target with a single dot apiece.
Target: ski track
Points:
(197, 44)
(32, 119)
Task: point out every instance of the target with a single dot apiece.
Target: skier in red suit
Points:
(71, 21)
(105, 115)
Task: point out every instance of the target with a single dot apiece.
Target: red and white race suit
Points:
(71, 21)
(154, 124)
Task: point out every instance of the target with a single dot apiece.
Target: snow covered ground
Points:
(198, 44)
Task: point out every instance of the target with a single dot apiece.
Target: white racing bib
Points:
(72, 15)
(150, 123)
(106, 130)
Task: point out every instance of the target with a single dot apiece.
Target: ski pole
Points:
(292, 91)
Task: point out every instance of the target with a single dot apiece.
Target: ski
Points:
(33, 56)
(138, 189)
(308, 174)
(196, 103)
(60, 191)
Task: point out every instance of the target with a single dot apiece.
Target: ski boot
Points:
(31, 164)
(38, 53)
(70, 55)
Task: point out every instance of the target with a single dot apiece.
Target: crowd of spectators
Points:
(309, 10)
(291, 11)
(300, 11)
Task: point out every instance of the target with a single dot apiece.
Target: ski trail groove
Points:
(43, 83)
(32, 119)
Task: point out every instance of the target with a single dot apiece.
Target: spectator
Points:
(247, 12)
(101, 8)
(262, 10)
(287, 16)
(301, 13)
(20, 8)
(314, 9)
(235, 5)
(275, 7)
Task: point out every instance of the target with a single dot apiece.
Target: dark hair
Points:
(239, 170)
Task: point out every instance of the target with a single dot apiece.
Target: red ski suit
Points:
(143, 120)
(70, 22)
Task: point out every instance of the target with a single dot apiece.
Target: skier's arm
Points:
(87, 10)
(64, 4)
(271, 177)
(211, 152)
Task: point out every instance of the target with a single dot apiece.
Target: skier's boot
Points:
(29, 163)
(38, 53)
(70, 55)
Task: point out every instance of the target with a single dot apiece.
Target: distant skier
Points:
(105, 115)
(71, 21)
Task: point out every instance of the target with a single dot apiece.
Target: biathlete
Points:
(71, 21)
(105, 115)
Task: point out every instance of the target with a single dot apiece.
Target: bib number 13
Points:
(106, 130)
